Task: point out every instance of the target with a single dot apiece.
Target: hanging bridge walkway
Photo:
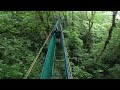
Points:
(56, 64)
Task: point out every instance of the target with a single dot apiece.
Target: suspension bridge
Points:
(56, 64)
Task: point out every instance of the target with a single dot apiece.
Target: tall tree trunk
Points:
(109, 34)
(72, 21)
(48, 26)
(59, 15)
(40, 16)
(88, 36)
(65, 18)
(110, 30)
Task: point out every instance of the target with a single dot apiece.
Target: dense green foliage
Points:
(22, 34)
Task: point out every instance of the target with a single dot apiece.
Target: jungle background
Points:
(92, 39)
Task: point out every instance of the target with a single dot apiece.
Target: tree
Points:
(109, 34)
(88, 36)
